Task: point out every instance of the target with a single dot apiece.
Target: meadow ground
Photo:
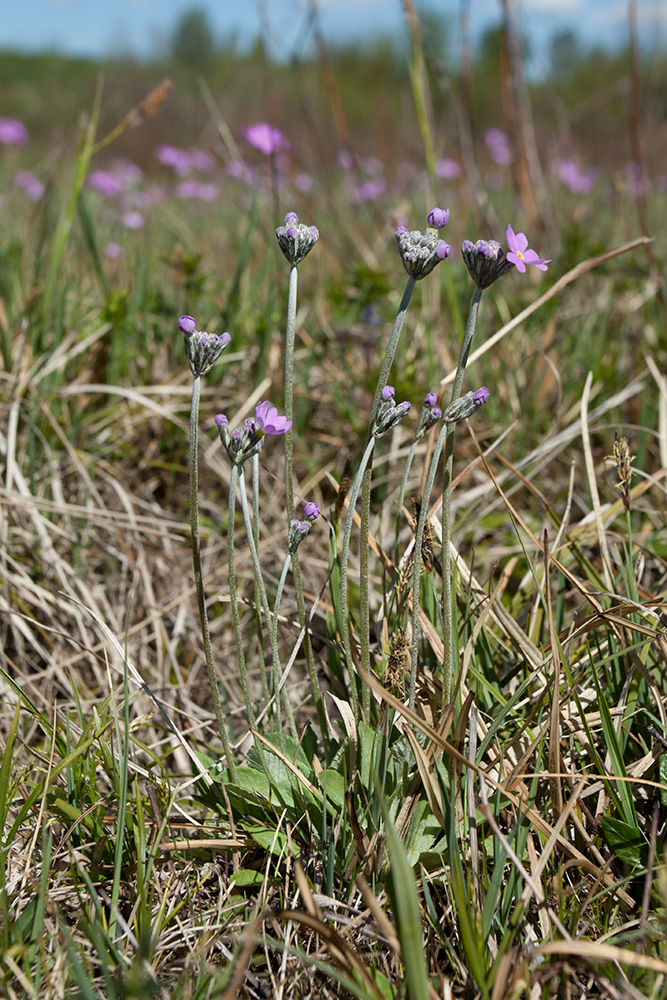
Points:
(398, 792)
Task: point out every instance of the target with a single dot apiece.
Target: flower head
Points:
(299, 529)
(270, 421)
(422, 252)
(202, 349)
(311, 511)
(265, 138)
(520, 255)
(388, 413)
(295, 239)
(485, 260)
(465, 406)
(428, 415)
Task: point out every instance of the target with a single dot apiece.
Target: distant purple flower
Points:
(147, 196)
(133, 220)
(370, 190)
(438, 218)
(345, 159)
(304, 182)
(311, 511)
(12, 132)
(447, 170)
(196, 189)
(106, 182)
(270, 421)
(179, 160)
(113, 250)
(520, 255)
(201, 160)
(498, 147)
(266, 139)
(32, 185)
(574, 178)
(240, 172)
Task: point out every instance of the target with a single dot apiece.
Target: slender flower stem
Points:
(364, 583)
(273, 631)
(258, 617)
(401, 494)
(290, 335)
(345, 551)
(199, 580)
(446, 438)
(236, 618)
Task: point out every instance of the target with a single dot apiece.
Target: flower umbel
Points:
(202, 349)
(422, 252)
(244, 442)
(466, 405)
(295, 239)
(299, 529)
(428, 415)
(519, 254)
(388, 413)
(485, 260)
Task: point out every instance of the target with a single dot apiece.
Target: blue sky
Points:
(102, 27)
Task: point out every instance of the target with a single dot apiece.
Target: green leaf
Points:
(627, 842)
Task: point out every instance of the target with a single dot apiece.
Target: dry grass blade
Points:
(592, 951)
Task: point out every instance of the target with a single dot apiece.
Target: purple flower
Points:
(428, 416)
(265, 138)
(12, 132)
(481, 395)
(311, 511)
(187, 325)
(32, 185)
(520, 255)
(369, 190)
(438, 217)
(498, 146)
(201, 160)
(179, 160)
(388, 393)
(133, 220)
(430, 399)
(574, 178)
(113, 250)
(270, 421)
(448, 170)
(388, 414)
(106, 182)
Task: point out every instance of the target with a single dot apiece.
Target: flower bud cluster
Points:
(295, 239)
(242, 443)
(465, 406)
(485, 260)
(202, 349)
(299, 529)
(422, 252)
(388, 413)
(428, 415)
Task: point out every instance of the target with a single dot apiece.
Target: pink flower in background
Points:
(195, 189)
(498, 146)
(369, 190)
(113, 250)
(574, 178)
(448, 170)
(106, 182)
(32, 185)
(12, 132)
(304, 182)
(133, 220)
(201, 160)
(240, 172)
(266, 139)
(179, 160)
(519, 254)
